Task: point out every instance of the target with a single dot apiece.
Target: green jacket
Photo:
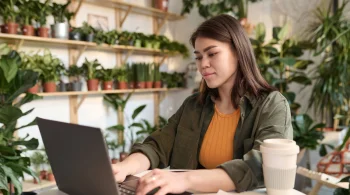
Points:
(178, 144)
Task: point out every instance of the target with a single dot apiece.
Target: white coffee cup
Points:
(279, 165)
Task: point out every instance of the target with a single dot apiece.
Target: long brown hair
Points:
(227, 29)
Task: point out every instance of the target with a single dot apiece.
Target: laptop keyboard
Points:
(124, 190)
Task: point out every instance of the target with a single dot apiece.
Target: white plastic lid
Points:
(279, 146)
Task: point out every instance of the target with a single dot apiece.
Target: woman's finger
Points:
(165, 189)
(150, 184)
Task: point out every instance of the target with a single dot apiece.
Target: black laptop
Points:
(79, 160)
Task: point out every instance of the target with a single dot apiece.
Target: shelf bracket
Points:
(125, 16)
(127, 56)
(19, 44)
(78, 8)
(81, 101)
(163, 59)
(161, 24)
(81, 51)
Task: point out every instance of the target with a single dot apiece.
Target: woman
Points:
(219, 130)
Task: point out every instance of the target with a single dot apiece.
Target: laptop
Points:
(79, 160)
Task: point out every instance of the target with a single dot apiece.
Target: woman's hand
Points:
(120, 172)
(167, 181)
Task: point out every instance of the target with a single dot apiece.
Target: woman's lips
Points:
(207, 75)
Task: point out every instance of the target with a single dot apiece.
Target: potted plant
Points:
(148, 42)
(61, 16)
(42, 11)
(14, 82)
(138, 38)
(157, 77)
(155, 41)
(30, 62)
(76, 34)
(92, 73)
(39, 161)
(88, 32)
(74, 73)
(99, 37)
(26, 15)
(131, 75)
(111, 37)
(141, 71)
(122, 78)
(161, 4)
(50, 175)
(107, 76)
(113, 146)
(52, 69)
(150, 75)
(9, 13)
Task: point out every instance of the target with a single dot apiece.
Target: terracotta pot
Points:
(50, 177)
(34, 89)
(141, 85)
(122, 156)
(161, 4)
(158, 84)
(42, 175)
(12, 187)
(92, 84)
(122, 85)
(28, 30)
(3, 28)
(11, 28)
(50, 87)
(35, 181)
(132, 85)
(43, 32)
(115, 161)
(149, 84)
(107, 85)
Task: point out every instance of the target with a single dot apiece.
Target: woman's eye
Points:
(212, 54)
(198, 58)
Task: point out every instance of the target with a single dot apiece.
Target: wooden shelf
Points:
(148, 11)
(71, 93)
(81, 44)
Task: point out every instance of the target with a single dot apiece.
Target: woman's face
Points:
(216, 61)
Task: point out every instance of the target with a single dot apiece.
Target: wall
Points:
(93, 112)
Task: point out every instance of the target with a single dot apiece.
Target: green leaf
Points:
(9, 115)
(116, 127)
(27, 125)
(282, 34)
(142, 132)
(3, 180)
(323, 150)
(302, 64)
(136, 125)
(6, 150)
(288, 61)
(27, 98)
(275, 32)
(260, 32)
(23, 169)
(137, 111)
(14, 179)
(9, 65)
(31, 144)
(300, 79)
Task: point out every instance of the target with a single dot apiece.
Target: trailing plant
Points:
(13, 83)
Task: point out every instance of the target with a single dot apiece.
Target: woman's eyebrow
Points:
(205, 49)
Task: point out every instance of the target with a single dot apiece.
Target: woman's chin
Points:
(212, 85)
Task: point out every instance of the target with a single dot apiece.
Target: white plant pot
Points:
(60, 30)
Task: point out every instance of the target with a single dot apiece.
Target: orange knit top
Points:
(217, 146)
